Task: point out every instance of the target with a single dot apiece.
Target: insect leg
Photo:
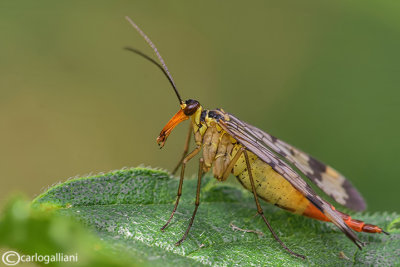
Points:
(260, 211)
(178, 195)
(232, 164)
(185, 150)
(197, 203)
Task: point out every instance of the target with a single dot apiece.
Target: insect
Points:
(268, 167)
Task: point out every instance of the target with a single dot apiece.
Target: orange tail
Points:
(359, 226)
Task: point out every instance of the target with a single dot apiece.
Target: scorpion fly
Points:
(266, 166)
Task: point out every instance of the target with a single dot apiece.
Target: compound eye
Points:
(191, 107)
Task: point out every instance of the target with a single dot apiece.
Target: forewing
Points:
(239, 130)
(325, 177)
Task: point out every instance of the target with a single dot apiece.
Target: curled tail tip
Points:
(386, 233)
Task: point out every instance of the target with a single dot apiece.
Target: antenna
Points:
(163, 66)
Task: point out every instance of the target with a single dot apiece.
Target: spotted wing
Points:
(252, 141)
(325, 177)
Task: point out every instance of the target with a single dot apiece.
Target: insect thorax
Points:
(217, 144)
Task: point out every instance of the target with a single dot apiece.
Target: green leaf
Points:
(30, 232)
(125, 210)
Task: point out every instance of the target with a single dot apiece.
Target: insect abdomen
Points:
(273, 188)
(270, 185)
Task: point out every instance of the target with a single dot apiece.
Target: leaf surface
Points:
(126, 209)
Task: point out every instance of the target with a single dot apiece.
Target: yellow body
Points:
(219, 149)
(270, 186)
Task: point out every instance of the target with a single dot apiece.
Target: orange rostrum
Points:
(176, 119)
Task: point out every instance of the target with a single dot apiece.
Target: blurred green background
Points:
(321, 75)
